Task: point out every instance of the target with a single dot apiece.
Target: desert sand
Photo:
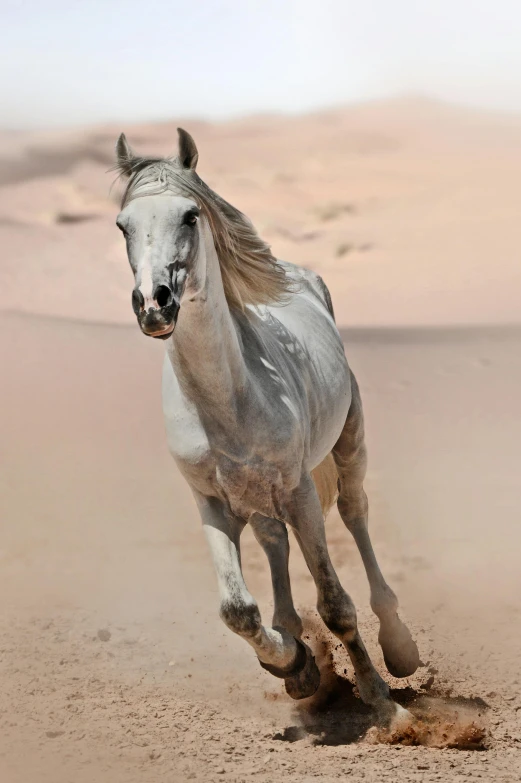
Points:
(114, 665)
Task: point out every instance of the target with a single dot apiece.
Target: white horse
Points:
(263, 415)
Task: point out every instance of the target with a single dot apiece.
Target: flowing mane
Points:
(250, 272)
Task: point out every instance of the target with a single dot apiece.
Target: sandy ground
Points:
(114, 664)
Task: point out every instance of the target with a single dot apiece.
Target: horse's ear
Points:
(125, 156)
(188, 154)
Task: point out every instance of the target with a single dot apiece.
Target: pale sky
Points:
(65, 62)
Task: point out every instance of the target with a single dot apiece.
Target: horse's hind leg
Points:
(334, 605)
(400, 651)
(273, 538)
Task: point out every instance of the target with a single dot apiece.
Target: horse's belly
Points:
(328, 390)
(329, 404)
(328, 425)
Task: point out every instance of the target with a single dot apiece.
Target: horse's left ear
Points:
(188, 154)
(124, 155)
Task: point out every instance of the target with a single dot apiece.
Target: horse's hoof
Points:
(394, 725)
(302, 678)
(306, 682)
(401, 654)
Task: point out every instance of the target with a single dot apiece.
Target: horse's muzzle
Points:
(159, 322)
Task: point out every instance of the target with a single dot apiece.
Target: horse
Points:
(263, 414)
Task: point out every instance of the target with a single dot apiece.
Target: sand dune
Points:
(409, 209)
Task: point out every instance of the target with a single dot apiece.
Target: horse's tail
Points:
(325, 477)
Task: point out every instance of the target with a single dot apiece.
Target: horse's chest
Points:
(189, 446)
(256, 483)
(187, 439)
(253, 486)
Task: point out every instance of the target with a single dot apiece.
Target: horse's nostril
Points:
(138, 301)
(162, 295)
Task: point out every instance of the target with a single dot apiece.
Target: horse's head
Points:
(160, 229)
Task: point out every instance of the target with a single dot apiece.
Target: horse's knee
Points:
(240, 616)
(338, 613)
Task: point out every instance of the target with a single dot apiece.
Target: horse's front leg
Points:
(272, 535)
(277, 650)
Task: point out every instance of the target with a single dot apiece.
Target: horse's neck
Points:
(204, 349)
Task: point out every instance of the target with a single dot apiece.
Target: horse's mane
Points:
(250, 272)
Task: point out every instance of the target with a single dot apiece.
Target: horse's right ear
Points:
(125, 156)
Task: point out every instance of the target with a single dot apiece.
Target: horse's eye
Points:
(191, 218)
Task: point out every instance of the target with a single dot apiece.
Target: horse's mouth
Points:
(159, 334)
